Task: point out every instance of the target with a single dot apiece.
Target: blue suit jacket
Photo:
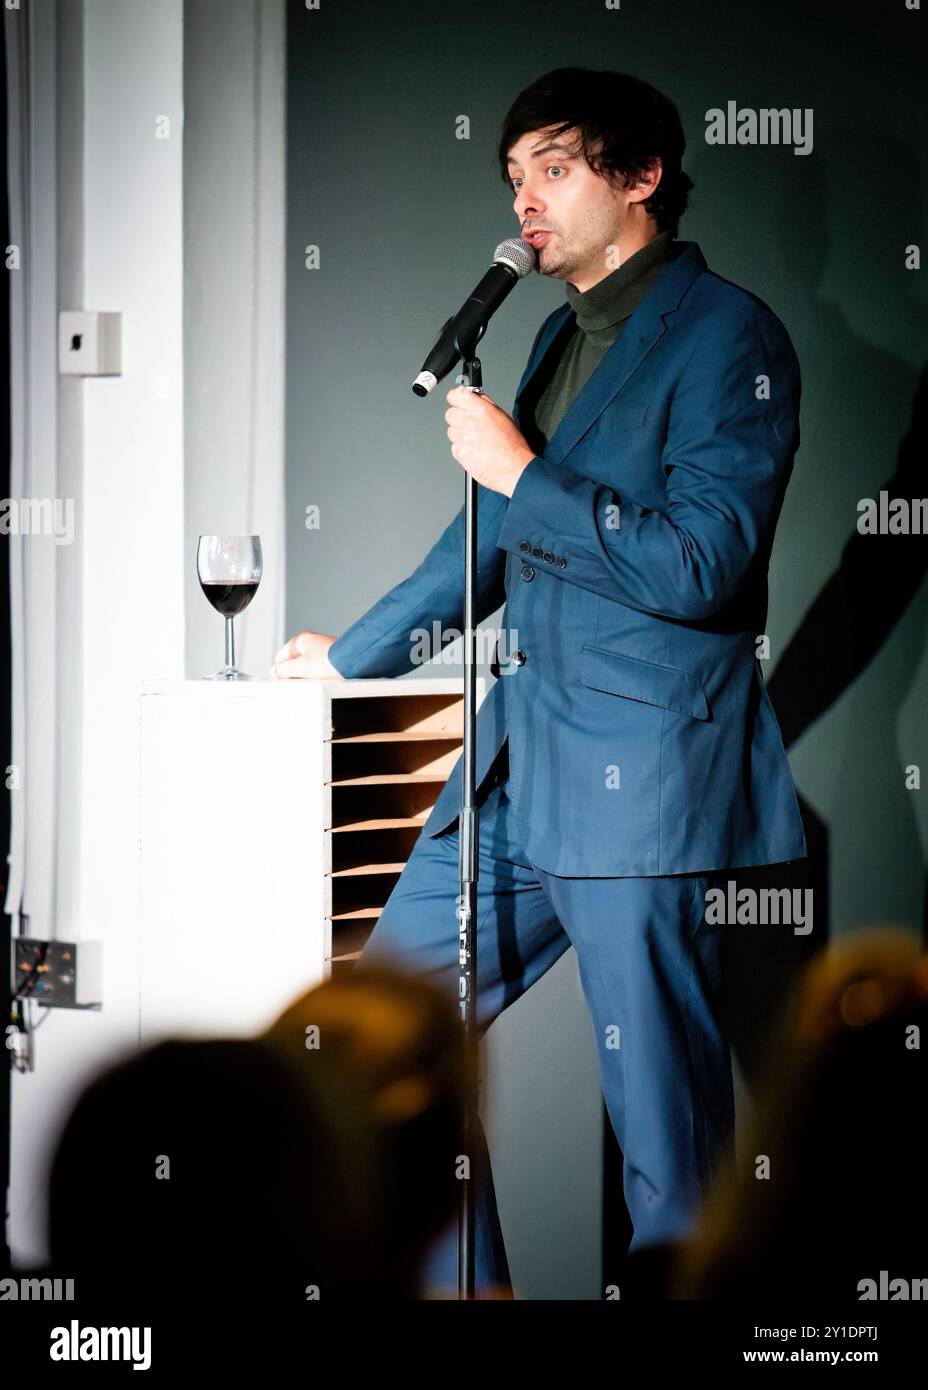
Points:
(632, 558)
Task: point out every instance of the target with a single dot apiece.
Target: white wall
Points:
(234, 176)
(131, 531)
(183, 237)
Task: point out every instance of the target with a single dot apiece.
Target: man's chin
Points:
(556, 271)
(549, 265)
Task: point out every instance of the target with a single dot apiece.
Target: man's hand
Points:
(485, 440)
(304, 656)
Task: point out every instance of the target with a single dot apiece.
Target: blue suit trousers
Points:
(650, 969)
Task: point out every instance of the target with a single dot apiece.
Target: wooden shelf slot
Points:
(373, 851)
(361, 803)
(356, 898)
(421, 758)
(433, 714)
(348, 939)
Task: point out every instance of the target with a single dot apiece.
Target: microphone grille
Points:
(517, 253)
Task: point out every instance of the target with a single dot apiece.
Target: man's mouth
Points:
(537, 238)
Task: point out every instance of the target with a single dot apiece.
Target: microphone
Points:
(512, 259)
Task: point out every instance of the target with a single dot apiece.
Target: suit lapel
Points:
(642, 331)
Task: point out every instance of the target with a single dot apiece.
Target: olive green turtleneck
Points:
(602, 313)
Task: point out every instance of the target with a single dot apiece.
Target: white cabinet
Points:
(275, 819)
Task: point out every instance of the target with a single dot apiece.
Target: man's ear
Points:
(645, 184)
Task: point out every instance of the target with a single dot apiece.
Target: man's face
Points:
(584, 213)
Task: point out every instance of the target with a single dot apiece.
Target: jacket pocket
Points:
(629, 419)
(647, 681)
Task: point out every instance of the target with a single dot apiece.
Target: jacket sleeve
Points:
(727, 458)
(381, 641)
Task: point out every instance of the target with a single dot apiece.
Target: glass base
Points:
(229, 673)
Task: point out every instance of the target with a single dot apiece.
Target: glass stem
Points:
(230, 645)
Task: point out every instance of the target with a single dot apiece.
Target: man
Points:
(628, 759)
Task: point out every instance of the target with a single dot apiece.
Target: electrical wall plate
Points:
(66, 974)
(89, 343)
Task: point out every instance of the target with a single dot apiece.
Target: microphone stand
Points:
(468, 859)
(516, 257)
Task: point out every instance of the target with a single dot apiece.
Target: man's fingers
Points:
(297, 666)
(467, 399)
(292, 648)
(305, 655)
(288, 650)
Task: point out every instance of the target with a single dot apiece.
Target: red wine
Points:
(229, 596)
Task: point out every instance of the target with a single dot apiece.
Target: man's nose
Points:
(527, 204)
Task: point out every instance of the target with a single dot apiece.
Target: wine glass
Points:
(229, 570)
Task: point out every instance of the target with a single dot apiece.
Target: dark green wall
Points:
(407, 217)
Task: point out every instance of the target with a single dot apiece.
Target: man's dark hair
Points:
(623, 125)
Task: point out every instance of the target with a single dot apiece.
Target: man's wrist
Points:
(527, 457)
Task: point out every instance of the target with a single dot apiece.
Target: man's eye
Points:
(552, 169)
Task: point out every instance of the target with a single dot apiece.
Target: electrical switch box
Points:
(89, 343)
(66, 974)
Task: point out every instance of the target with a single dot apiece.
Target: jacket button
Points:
(548, 556)
(560, 562)
(536, 552)
(527, 572)
(519, 658)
